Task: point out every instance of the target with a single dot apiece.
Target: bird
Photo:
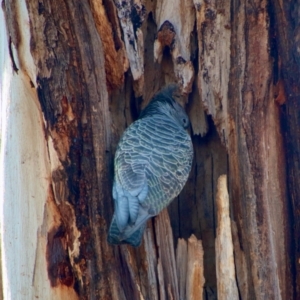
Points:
(151, 166)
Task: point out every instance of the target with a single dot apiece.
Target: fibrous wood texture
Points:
(195, 276)
(227, 287)
(26, 197)
(286, 34)
(174, 32)
(75, 74)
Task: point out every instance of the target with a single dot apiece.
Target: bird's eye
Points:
(184, 121)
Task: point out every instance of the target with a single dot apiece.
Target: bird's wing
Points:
(151, 167)
(130, 183)
(169, 166)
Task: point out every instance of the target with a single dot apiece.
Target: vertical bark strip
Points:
(226, 278)
(195, 271)
(166, 253)
(285, 18)
(213, 30)
(72, 90)
(116, 62)
(25, 167)
(175, 21)
(256, 183)
(181, 266)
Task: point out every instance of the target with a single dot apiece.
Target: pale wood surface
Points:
(226, 280)
(27, 209)
(195, 271)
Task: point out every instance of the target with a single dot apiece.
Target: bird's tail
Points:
(116, 237)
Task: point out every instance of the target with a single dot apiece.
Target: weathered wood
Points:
(245, 116)
(226, 280)
(240, 264)
(194, 211)
(25, 192)
(77, 125)
(152, 265)
(181, 266)
(255, 143)
(131, 16)
(162, 292)
(195, 270)
(166, 253)
(284, 17)
(174, 30)
(116, 62)
(213, 30)
(197, 114)
(61, 127)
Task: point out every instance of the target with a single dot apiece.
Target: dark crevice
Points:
(286, 68)
(14, 66)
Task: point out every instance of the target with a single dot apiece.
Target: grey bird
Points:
(152, 164)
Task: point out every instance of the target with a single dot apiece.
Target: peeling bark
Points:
(175, 25)
(255, 143)
(116, 62)
(286, 26)
(131, 16)
(213, 30)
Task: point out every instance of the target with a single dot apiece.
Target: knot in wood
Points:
(210, 14)
(65, 274)
(180, 60)
(166, 34)
(137, 15)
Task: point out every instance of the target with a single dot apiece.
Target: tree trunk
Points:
(75, 74)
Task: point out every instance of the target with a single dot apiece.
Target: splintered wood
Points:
(151, 261)
(182, 278)
(190, 271)
(132, 34)
(175, 26)
(240, 263)
(213, 24)
(166, 254)
(116, 61)
(226, 282)
(194, 277)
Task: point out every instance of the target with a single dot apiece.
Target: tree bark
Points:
(75, 74)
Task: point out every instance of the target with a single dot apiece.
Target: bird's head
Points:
(166, 102)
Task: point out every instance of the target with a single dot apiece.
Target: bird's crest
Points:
(170, 94)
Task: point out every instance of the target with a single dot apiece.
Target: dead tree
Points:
(75, 74)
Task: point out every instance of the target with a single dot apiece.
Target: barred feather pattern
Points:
(152, 164)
